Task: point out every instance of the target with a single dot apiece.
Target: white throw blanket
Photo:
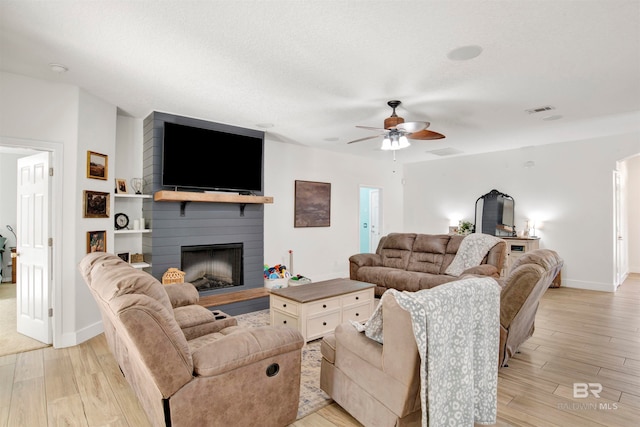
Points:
(457, 329)
(472, 250)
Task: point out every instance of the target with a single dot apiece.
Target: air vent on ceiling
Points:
(445, 151)
(539, 109)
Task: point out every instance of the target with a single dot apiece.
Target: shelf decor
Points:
(312, 204)
(121, 186)
(97, 165)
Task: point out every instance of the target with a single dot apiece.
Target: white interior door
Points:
(374, 219)
(34, 257)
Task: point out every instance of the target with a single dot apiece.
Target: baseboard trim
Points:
(78, 337)
(590, 286)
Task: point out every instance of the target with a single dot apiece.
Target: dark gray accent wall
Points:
(202, 223)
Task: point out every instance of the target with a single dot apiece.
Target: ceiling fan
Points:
(397, 132)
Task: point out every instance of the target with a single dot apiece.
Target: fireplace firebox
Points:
(211, 267)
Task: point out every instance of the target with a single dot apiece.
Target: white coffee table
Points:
(317, 308)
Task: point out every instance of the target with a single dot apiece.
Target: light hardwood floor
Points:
(581, 337)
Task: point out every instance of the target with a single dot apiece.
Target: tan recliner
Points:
(196, 372)
(529, 278)
(379, 385)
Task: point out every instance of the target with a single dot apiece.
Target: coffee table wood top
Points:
(321, 290)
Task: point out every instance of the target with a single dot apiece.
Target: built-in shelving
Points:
(140, 265)
(133, 196)
(146, 230)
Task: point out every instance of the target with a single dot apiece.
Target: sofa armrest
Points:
(181, 294)
(362, 260)
(243, 347)
(482, 270)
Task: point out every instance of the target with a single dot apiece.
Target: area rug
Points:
(11, 341)
(311, 397)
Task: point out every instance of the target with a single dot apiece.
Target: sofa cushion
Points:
(397, 249)
(452, 249)
(428, 253)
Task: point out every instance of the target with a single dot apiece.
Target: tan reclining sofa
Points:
(411, 262)
(201, 371)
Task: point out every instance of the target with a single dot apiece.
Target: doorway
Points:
(370, 218)
(22, 148)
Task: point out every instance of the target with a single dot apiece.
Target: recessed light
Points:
(58, 68)
(332, 139)
(554, 117)
(265, 125)
(464, 53)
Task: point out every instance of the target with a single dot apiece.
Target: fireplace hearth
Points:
(211, 267)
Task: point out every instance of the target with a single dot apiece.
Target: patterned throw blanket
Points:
(457, 329)
(472, 250)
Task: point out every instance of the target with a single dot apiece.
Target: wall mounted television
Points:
(208, 159)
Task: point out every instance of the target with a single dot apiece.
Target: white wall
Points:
(97, 133)
(633, 212)
(53, 113)
(569, 192)
(323, 252)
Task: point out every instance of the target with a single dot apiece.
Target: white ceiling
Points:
(316, 69)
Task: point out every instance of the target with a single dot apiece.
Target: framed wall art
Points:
(96, 241)
(96, 204)
(312, 204)
(97, 165)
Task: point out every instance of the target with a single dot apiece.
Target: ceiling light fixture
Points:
(395, 140)
(265, 125)
(58, 68)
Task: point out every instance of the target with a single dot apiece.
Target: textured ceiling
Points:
(316, 69)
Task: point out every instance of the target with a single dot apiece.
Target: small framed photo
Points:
(121, 186)
(96, 204)
(96, 241)
(97, 165)
(125, 256)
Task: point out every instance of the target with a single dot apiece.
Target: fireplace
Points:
(211, 267)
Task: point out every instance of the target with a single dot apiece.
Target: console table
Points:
(317, 308)
(518, 246)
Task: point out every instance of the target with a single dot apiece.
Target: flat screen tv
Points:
(206, 159)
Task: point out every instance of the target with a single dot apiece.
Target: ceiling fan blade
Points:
(413, 127)
(425, 135)
(370, 128)
(363, 139)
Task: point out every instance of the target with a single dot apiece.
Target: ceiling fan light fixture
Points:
(386, 144)
(403, 142)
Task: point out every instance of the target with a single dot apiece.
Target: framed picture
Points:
(121, 186)
(96, 241)
(97, 165)
(96, 204)
(125, 256)
(312, 204)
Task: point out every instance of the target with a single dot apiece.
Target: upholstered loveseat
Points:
(411, 262)
(213, 374)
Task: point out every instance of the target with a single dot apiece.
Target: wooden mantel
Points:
(186, 196)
